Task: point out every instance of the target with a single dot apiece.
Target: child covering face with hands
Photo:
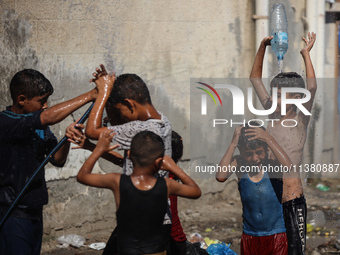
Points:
(263, 224)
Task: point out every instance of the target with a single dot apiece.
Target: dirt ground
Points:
(215, 218)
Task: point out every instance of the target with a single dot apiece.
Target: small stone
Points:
(195, 215)
(188, 211)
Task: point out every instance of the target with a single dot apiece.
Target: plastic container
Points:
(71, 239)
(278, 29)
(197, 238)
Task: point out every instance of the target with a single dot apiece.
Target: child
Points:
(25, 139)
(291, 139)
(263, 224)
(129, 97)
(141, 198)
(177, 244)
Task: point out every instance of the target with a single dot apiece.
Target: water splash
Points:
(305, 182)
(280, 65)
(112, 64)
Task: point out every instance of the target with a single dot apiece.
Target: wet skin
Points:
(256, 157)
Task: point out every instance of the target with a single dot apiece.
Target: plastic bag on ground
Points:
(220, 249)
(72, 239)
(209, 241)
(97, 246)
(322, 187)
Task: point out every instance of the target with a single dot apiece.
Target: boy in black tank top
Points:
(141, 198)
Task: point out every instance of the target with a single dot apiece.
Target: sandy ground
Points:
(213, 217)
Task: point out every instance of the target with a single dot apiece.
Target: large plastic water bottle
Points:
(278, 28)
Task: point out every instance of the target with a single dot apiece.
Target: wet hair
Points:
(288, 80)
(243, 141)
(146, 147)
(29, 83)
(177, 146)
(130, 86)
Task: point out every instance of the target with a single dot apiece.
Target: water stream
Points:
(280, 65)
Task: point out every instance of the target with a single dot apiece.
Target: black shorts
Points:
(295, 215)
(111, 247)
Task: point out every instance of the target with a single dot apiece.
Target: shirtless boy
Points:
(291, 139)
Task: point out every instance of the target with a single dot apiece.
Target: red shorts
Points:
(177, 233)
(264, 245)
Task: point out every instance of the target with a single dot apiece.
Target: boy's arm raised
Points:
(58, 112)
(256, 73)
(310, 74)
(85, 176)
(104, 83)
(227, 159)
(188, 189)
